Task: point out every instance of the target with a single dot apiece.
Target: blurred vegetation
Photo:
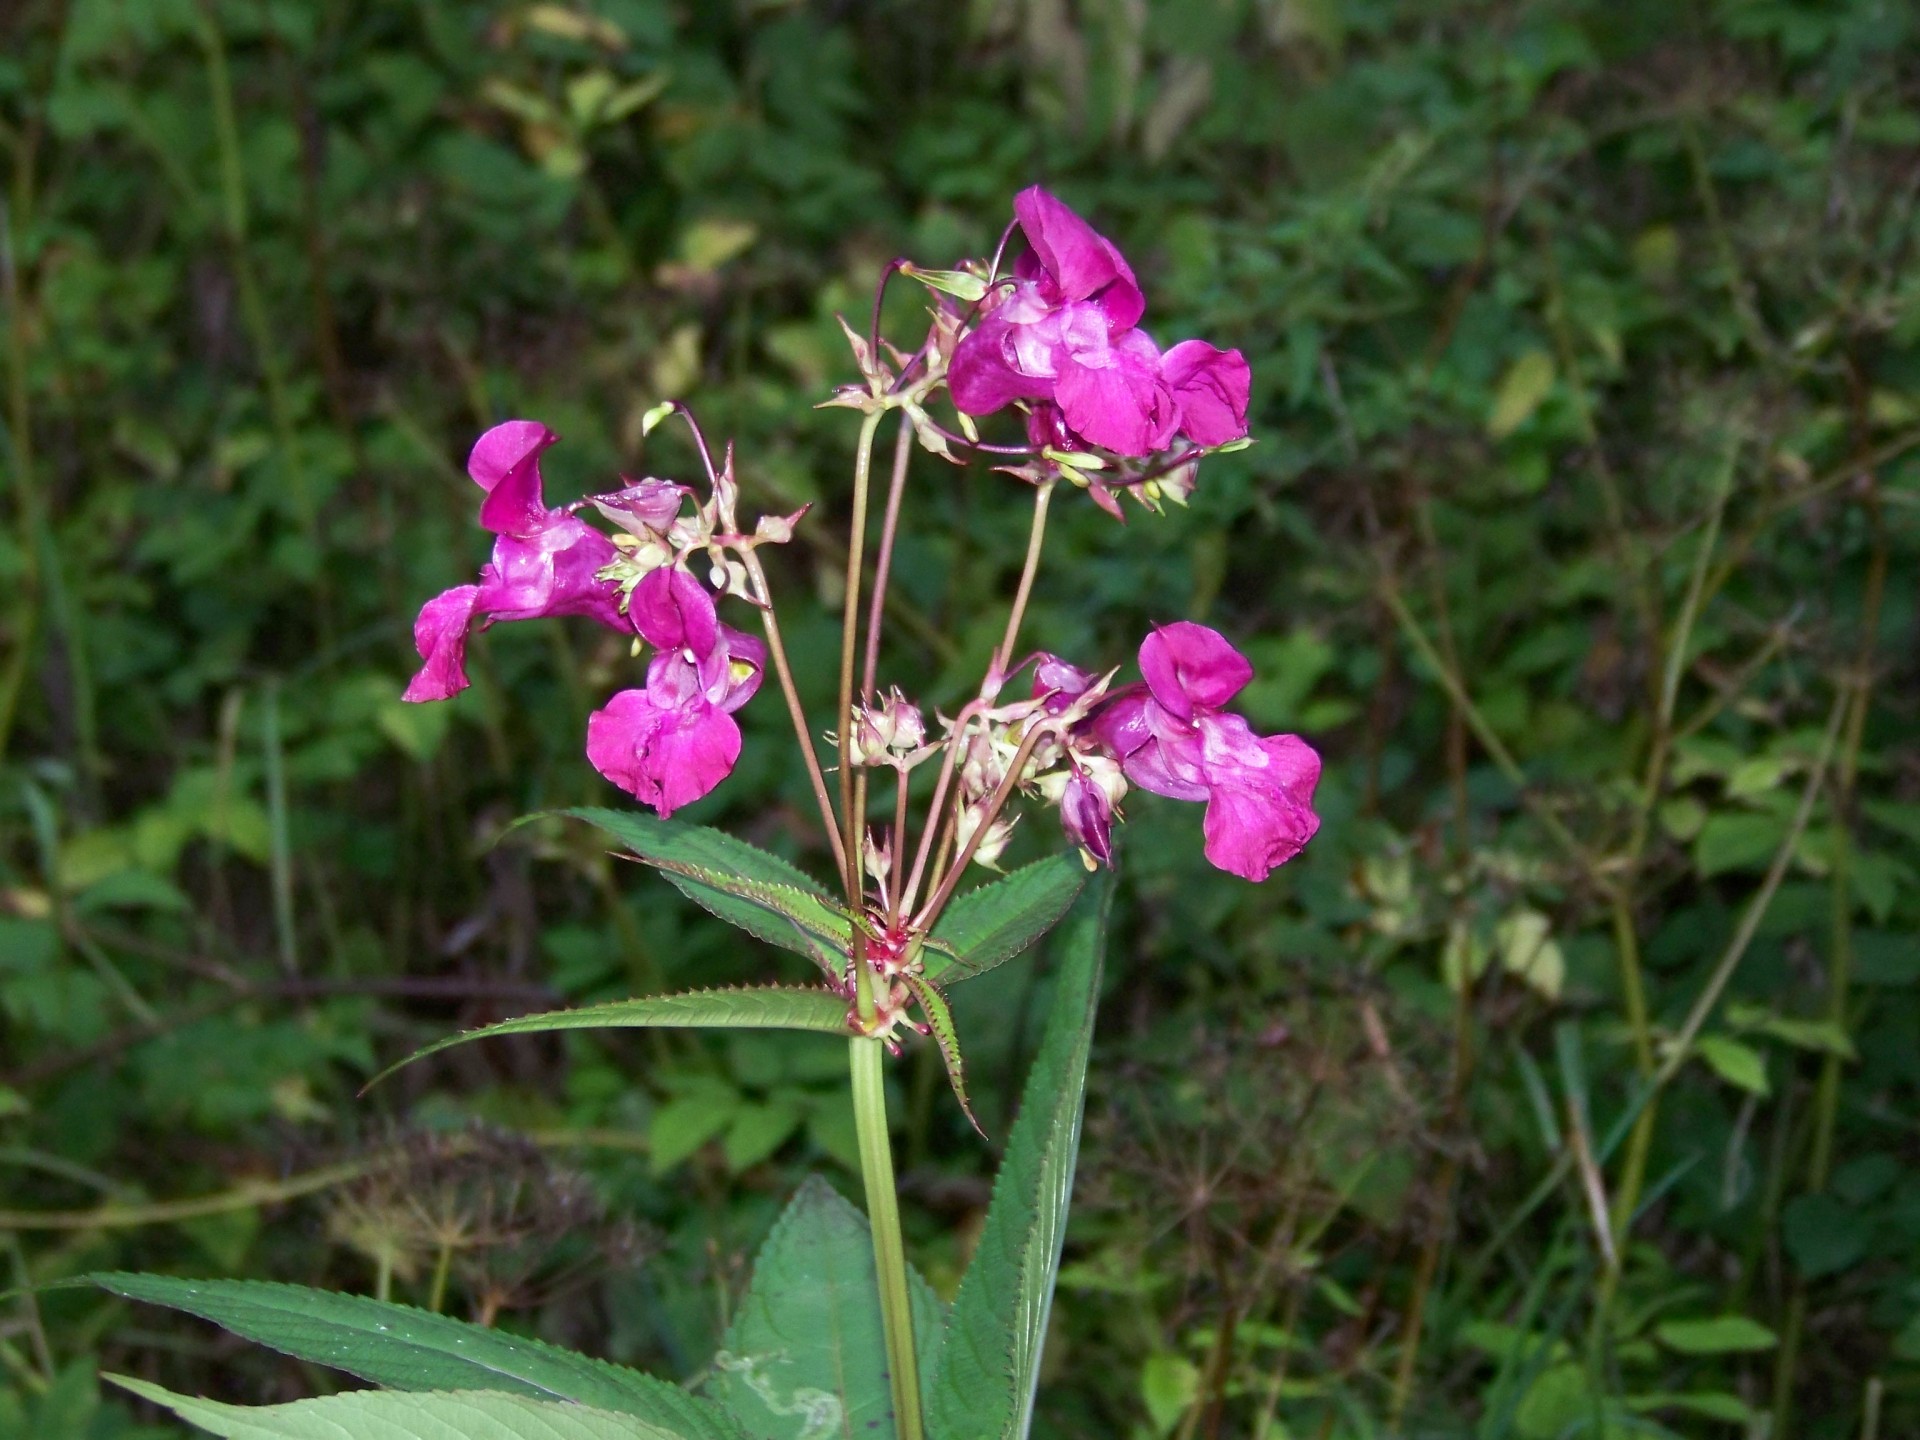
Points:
(1580, 536)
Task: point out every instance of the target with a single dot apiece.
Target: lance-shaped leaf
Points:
(982, 1387)
(746, 1007)
(402, 1415)
(806, 1356)
(820, 925)
(401, 1348)
(743, 885)
(989, 926)
(940, 1021)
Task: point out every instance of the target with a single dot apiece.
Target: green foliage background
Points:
(1580, 536)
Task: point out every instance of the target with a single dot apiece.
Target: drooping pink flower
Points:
(675, 740)
(1172, 737)
(1066, 334)
(545, 562)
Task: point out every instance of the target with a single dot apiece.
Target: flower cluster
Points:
(1059, 339)
(674, 740)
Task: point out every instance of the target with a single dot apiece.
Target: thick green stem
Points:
(883, 1214)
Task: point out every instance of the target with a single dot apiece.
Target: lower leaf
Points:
(989, 1365)
(402, 1415)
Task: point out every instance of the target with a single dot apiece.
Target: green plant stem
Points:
(253, 310)
(442, 1266)
(26, 494)
(883, 1214)
(254, 1194)
(1036, 542)
(883, 559)
(1496, 748)
(849, 656)
(796, 712)
(1826, 1104)
(1623, 892)
(1680, 1049)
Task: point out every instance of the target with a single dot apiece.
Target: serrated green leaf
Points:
(402, 1415)
(989, 926)
(748, 1007)
(989, 1367)
(940, 1021)
(806, 1357)
(401, 1348)
(1718, 1335)
(739, 883)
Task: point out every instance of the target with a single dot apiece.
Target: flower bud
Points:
(993, 843)
(889, 733)
(1088, 802)
(877, 857)
(645, 510)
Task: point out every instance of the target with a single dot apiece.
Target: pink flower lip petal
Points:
(664, 756)
(440, 635)
(1212, 388)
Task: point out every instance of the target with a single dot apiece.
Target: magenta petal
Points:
(553, 571)
(673, 610)
(746, 666)
(1121, 404)
(1189, 666)
(440, 635)
(1052, 675)
(505, 462)
(1260, 805)
(1250, 831)
(664, 757)
(1212, 387)
(981, 376)
(1081, 262)
(1158, 751)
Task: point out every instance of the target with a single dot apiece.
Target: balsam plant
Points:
(837, 1334)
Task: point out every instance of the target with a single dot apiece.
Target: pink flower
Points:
(674, 741)
(546, 562)
(1173, 738)
(1064, 339)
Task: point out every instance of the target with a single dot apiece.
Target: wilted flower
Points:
(1172, 738)
(671, 743)
(546, 562)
